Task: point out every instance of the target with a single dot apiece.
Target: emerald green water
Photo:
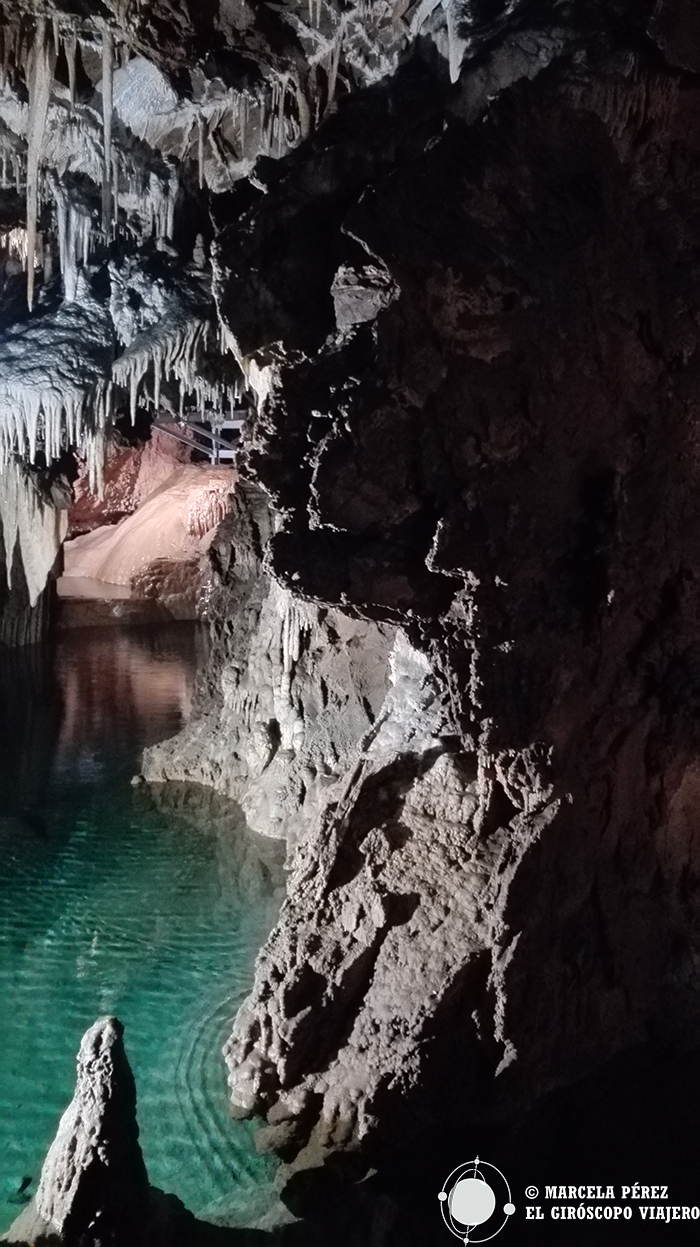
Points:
(150, 904)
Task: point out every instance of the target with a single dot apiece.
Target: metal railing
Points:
(187, 431)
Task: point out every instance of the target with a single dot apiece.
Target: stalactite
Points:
(48, 263)
(236, 115)
(71, 49)
(31, 521)
(115, 185)
(281, 136)
(14, 244)
(456, 44)
(304, 112)
(157, 370)
(272, 113)
(107, 110)
(200, 150)
(40, 69)
(52, 396)
(174, 349)
(333, 70)
(74, 227)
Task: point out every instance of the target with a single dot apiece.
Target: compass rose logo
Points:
(475, 1201)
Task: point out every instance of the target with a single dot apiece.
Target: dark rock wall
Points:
(499, 459)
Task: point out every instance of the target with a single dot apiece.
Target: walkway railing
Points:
(188, 431)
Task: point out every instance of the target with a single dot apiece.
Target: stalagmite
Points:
(40, 67)
(107, 109)
(94, 1173)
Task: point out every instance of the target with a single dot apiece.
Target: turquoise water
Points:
(149, 903)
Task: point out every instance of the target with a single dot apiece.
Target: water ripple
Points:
(122, 907)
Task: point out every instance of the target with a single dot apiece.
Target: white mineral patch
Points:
(145, 101)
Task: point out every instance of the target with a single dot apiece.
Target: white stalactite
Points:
(74, 229)
(14, 245)
(333, 65)
(107, 110)
(52, 396)
(457, 45)
(70, 44)
(31, 521)
(173, 350)
(281, 137)
(40, 67)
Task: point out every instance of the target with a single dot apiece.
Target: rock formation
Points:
(448, 253)
(93, 1187)
(493, 463)
(291, 690)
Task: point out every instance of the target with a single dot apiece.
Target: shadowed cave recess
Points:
(368, 332)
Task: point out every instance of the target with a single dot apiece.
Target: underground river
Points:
(149, 903)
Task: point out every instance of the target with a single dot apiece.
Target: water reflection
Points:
(121, 687)
(149, 902)
(29, 723)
